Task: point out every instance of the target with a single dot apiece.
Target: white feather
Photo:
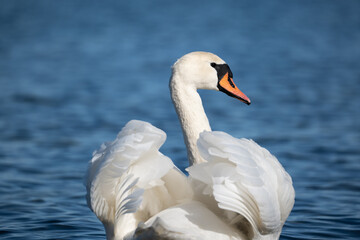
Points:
(246, 179)
(123, 174)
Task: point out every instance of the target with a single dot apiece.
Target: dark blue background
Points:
(72, 73)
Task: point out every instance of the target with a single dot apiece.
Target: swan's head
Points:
(204, 70)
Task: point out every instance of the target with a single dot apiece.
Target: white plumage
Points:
(235, 189)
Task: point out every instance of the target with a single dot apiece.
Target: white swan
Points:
(235, 190)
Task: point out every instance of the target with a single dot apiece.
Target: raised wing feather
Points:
(128, 180)
(246, 179)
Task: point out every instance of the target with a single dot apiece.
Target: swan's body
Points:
(235, 189)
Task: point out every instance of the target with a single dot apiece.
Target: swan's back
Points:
(242, 190)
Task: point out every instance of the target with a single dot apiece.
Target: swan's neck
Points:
(191, 114)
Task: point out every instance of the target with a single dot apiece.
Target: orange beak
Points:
(227, 85)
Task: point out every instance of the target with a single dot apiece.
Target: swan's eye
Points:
(222, 69)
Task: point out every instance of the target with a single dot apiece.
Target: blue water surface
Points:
(72, 73)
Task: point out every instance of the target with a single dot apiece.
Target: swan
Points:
(235, 188)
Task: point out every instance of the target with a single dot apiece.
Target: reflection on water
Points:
(72, 73)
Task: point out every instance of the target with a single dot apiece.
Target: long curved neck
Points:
(191, 114)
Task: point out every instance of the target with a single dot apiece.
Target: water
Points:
(72, 73)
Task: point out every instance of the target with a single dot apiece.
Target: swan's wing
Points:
(129, 180)
(245, 179)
